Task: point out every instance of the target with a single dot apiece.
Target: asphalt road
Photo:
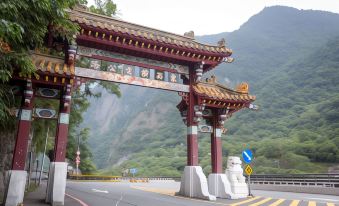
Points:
(162, 194)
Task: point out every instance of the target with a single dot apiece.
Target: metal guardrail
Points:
(119, 178)
(315, 180)
(95, 178)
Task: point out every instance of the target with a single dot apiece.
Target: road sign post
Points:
(249, 171)
(249, 186)
(133, 171)
(247, 155)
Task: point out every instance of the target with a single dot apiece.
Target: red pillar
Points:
(192, 129)
(216, 147)
(24, 127)
(62, 127)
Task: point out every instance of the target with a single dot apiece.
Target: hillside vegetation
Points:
(289, 57)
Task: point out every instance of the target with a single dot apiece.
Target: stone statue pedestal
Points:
(234, 174)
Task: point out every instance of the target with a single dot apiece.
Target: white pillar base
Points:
(15, 187)
(194, 184)
(56, 186)
(219, 186)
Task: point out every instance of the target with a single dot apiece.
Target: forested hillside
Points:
(289, 57)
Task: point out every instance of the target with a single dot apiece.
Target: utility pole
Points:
(36, 171)
(43, 157)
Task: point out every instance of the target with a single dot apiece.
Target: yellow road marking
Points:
(246, 201)
(95, 180)
(261, 202)
(312, 203)
(278, 202)
(295, 203)
(156, 190)
(330, 204)
(172, 193)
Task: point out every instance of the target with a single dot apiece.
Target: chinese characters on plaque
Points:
(173, 77)
(144, 73)
(159, 76)
(95, 64)
(128, 70)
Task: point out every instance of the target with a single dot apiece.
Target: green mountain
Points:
(289, 57)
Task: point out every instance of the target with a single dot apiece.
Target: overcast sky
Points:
(205, 16)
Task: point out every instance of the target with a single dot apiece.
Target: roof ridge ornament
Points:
(81, 7)
(199, 71)
(222, 43)
(228, 60)
(212, 79)
(189, 34)
(242, 88)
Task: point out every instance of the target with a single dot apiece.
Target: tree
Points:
(106, 7)
(23, 27)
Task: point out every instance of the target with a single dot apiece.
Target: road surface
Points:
(162, 194)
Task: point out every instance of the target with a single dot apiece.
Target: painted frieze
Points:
(88, 65)
(133, 80)
(93, 53)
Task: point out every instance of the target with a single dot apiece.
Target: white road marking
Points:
(119, 200)
(102, 191)
(324, 199)
(76, 199)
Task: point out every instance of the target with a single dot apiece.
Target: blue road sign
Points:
(247, 156)
(133, 170)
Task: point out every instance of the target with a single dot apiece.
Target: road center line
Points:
(76, 199)
(101, 191)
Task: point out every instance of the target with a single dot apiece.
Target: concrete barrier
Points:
(298, 189)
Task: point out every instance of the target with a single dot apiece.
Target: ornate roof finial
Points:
(212, 79)
(189, 34)
(80, 7)
(222, 43)
(242, 87)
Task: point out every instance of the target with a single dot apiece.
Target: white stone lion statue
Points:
(234, 174)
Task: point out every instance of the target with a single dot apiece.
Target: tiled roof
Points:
(82, 16)
(219, 92)
(51, 65)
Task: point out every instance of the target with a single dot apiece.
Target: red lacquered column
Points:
(216, 147)
(24, 127)
(62, 127)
